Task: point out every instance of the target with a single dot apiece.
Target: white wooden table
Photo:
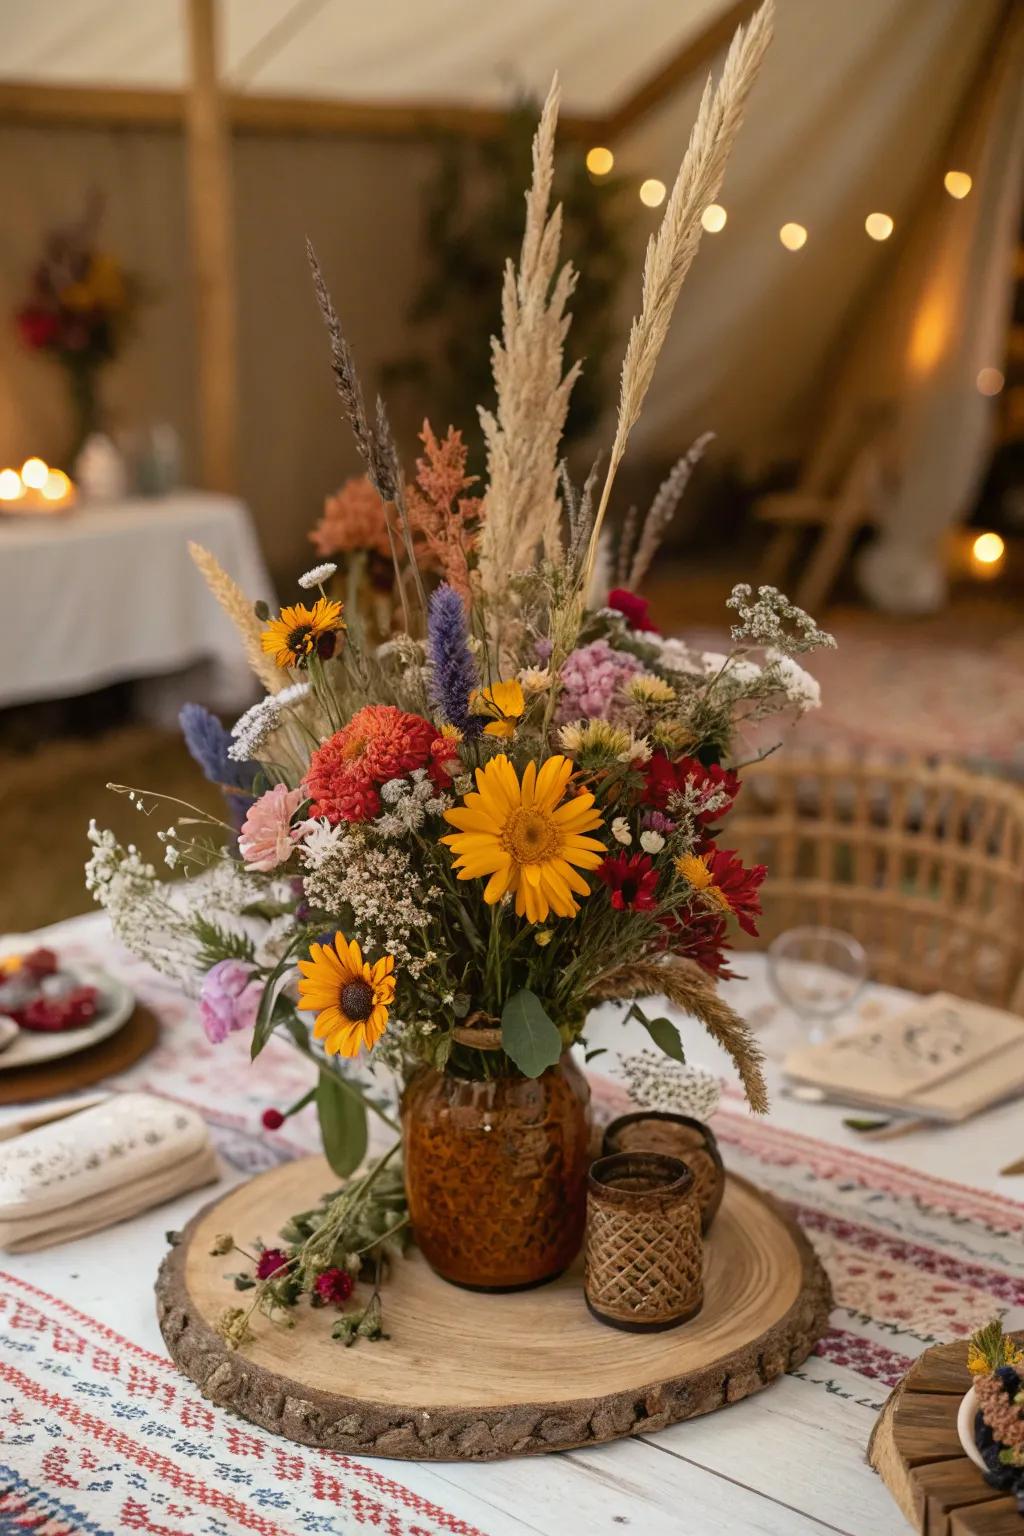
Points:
(788, 1462)
(109, 593)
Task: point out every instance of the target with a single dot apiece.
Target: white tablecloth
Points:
(921, 1237)
(110, 593)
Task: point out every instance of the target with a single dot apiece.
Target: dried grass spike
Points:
(240, 611)
(662, 510)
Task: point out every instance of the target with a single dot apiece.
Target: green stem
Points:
(343, 1082)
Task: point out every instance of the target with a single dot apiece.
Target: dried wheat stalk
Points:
(523, 432)
(662, 510)
(240, 611)
(692, 990)
(671, 251)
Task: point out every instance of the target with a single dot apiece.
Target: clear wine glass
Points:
(817, 973)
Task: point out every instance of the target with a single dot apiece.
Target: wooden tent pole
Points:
(213, 252)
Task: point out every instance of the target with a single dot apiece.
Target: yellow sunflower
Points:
(503, 704)
(300, 632)
(349, 996)
(525, 838)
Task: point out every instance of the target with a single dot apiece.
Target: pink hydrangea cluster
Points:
(591, 677)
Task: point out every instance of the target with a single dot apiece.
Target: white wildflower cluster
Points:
(655, 1081)
(317, 576)
(380, 885)
(801, 689)
(293, 694)
(675, 655)
(770, 619)
(143, 919)
(253, 729)
(411, 801)
(696, 804)
(321, 843)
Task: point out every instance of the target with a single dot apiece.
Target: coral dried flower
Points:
(300, 632)
(349, 996)
(333, 1286)
(525, 838)
(379, 743)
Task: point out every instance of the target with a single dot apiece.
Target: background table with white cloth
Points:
(922, 1239)
(109, 593)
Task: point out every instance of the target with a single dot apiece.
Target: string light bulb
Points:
(793, 236)
(599, 160)
(879, 226)
(652, 192)
(957, 184)
(714, 218)
(56, 486)
(988, 549)
(34, 473)
(10, 485)
(989, 381)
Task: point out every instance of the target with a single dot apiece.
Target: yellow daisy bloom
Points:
(503, 704)
(694, 868)
(349, 996)
(302, 632)
(525, 838)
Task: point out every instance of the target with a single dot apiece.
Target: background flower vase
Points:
(496, 1173)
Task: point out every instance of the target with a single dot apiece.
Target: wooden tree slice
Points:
(65, 1074)
(916, 1451)
(467, 1376)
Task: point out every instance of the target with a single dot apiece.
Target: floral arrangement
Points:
(514, 806)
(80, 306)
(997, 1364)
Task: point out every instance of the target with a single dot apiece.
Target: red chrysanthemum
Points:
(632, 882)
(740, 887)
(444, 754)
(701, 937)
(269, 1262)
(334, 1287)
(379, 743)
(665, 778)
(634, 609)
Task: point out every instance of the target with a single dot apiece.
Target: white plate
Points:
(115, 1003)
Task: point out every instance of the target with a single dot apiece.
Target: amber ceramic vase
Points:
(496, 1173)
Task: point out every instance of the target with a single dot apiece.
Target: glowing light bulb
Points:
(879, 226)
(989, 381)
(714, 218)
(652, 192)
(56, 485)
(957, 183)
(599, 160)
(34, 473)
(10, 485)
(988, 549)
(793, 236)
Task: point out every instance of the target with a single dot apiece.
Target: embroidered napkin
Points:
(99, 1166)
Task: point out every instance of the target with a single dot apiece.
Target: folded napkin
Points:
(98, 1165)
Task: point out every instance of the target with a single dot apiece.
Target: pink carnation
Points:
(229, 999)
(267, 836)
(591, 678)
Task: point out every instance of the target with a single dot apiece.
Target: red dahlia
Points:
(334, 1287)
(665, 778)
(733, 886)
(634, 609)
(632, 882)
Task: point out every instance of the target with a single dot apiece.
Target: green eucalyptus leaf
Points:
(342, 1124)
(665, 1036)
(528, 1035)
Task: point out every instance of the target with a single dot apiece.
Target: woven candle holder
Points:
(681, 1136)
(644, 1252)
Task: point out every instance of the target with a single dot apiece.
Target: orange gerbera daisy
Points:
(349, 996)
(525, 838)
(300, 632)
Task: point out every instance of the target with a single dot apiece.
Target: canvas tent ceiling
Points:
(458, 51)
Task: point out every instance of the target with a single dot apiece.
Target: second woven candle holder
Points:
(681, 1136)
(644, 1251)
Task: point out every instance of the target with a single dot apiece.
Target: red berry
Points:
(272, 1119)
(269, 1262)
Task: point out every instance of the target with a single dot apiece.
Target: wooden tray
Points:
(51, 1079)
(470, 1377)
(916, 1451)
